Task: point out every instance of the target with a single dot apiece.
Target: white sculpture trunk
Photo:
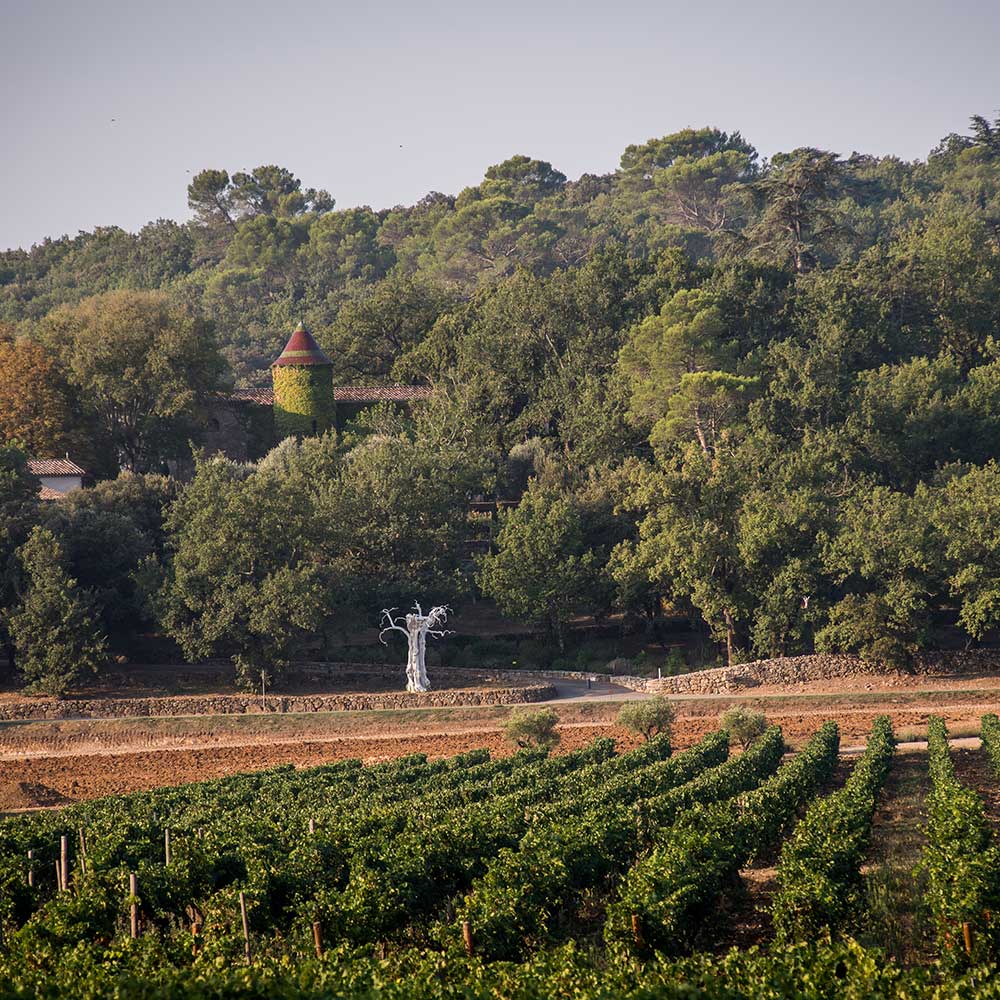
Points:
(416, 667)
(416, 627)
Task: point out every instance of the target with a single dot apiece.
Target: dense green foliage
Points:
(810, 972)
(990, 733)
(759, 394)
(820, 887)
(961, 860)
(303, 400)
(526, 858)
(54, 629)
(667, 896)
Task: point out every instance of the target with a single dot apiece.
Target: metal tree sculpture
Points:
(416, 626)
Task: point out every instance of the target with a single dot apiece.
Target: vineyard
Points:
(590, 874)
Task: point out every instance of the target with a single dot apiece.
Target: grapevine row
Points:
(960, 860)
(819, 874)
(666, 896)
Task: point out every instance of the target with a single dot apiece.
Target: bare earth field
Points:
(49, 763)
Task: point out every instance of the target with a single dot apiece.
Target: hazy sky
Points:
(332, 90)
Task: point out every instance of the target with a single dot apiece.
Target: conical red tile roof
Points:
(301, 349)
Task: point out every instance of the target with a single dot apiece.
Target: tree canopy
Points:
(758, 393)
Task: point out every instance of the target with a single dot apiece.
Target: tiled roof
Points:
(47, 493)
(264, 397)
(343, 394)
(54, 467)
(301, 349)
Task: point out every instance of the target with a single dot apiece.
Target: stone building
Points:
(246, 423)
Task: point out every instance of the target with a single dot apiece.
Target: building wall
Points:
(243, 432)
(61, 484)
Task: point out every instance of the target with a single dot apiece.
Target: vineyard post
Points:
(246, 927)
(133, 891)
(467, 937)
(31, 869)
(166, 846)
(83, 849)
(59, 884)
(967, 937)
(318, 938)
(636, 930)
(64, 861)
(312, 825)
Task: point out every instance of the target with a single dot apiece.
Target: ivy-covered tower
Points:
(303, 388)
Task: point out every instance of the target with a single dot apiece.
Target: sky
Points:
(109, 107)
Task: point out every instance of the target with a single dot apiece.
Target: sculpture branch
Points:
(393, 625)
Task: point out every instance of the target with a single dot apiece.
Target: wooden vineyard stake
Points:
(166, 846)
(31, 869)
(318, 938)
(59, 884)
(196, 918)
(467, 937)
(636, 930)
(83, 849)
(246, 927)
(64, 862)
(133, 891)
(312, 825)
(967, 936)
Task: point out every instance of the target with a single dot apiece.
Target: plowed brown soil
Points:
(108, 773)
(86, 760)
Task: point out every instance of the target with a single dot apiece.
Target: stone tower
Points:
(303, 388)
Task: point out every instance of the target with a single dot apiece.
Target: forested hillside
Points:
(762, 393)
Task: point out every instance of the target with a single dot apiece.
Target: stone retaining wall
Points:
(817, 667)
(117, 708)
(726, 680)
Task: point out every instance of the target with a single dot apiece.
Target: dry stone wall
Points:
(818, 667)
(782, 670)
(115, 708)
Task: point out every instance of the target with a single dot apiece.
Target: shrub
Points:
(532, 728)
(743, 724)
(620, 665)
(675, 663)
(649, 717)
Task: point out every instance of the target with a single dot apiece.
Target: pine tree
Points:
(54, 628)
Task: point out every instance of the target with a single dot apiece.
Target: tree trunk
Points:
(730, 631)
(416, 668)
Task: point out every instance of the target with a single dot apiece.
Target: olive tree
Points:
(648, 717)
(532, 728)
